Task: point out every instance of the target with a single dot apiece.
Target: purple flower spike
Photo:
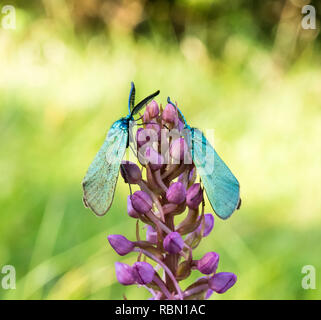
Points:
(151, 235)
(152, 109)
(194, 196)
(142, 202)
(130, 210)
(168, 204)
(143, 272)
(176, 193)
(208, 264)
(120, 244)
(173, 243)
(124, 274)
(209, 224)
(222, 281)
(169, 114)
(179, 149)
(130, 172)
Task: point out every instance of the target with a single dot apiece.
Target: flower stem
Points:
(164, 266)
(160, 181)
(195, 290)
(162, 286)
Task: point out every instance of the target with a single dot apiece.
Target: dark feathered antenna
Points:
(141, 104)
(131, 99)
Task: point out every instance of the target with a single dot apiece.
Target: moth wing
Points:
(101, 178)
(221, 186)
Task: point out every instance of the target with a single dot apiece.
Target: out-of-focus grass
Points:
(58, 98)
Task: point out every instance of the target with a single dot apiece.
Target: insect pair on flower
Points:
(221, 186)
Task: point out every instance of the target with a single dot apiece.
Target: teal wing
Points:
(221, 186)
(101, 178)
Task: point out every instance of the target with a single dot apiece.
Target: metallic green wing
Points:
(221, 186)
(101, 178)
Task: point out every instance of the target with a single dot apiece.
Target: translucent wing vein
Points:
(221, 186)
(101, 178)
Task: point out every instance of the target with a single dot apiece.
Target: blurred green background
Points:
(245, 68)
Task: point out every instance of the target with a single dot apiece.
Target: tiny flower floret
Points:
(208, 264)
(173, 243)
(176, 193)
(142, 202)
(143, 272)
(222, 281)
(120, 244)
(124, 274)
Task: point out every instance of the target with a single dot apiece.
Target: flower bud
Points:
(141, 202)
(176, 193)
(124, 274)
(142, 137)
(180, 125)
(182, 177)
(173, 243)
(169, 114)
(208, 264)
(156, 129)
(191, 176)
(222, 281)
(185, 177)
(120, 244)
(155, 159)
(146, 117)
(130, 210)
(151, 235)
(208, 225)
(194, 196)
(178, 149)
(130, 172)
(152, 109)
(143, 272)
